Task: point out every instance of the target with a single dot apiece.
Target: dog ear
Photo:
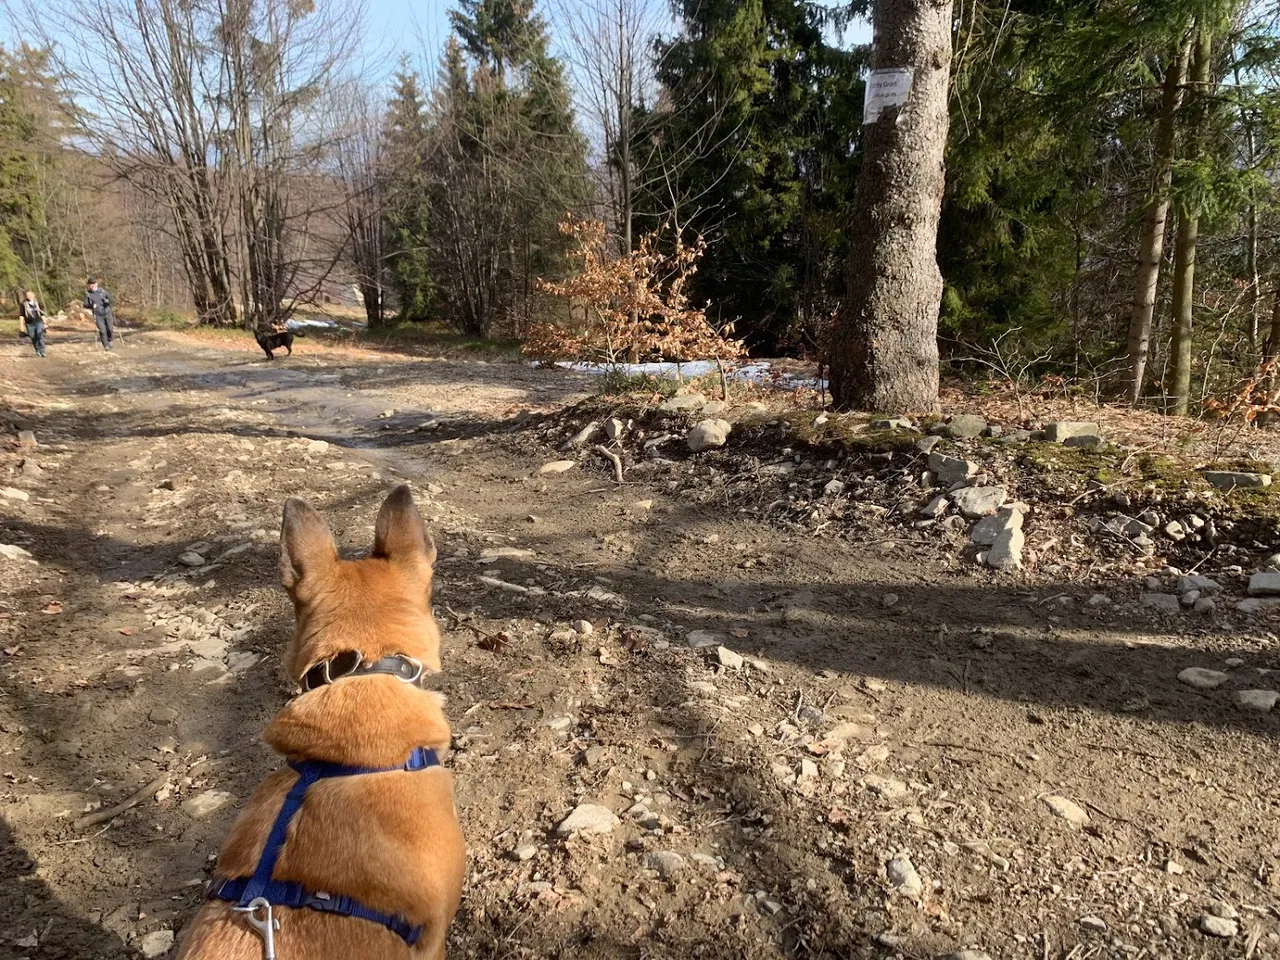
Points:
(399, 533)
(306, 545)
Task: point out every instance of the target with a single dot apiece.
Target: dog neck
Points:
(360, 721)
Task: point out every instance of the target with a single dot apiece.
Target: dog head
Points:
(379, 605)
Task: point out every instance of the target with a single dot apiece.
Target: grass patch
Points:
(425, 338)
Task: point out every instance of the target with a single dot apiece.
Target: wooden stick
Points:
(112, 812)
(617, 461)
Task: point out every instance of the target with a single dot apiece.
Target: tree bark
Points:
(884, 354)
(1151, 249)
(1184, 265)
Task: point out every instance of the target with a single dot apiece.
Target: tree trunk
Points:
(884, 356)
(1151, 250)
(1184, 266)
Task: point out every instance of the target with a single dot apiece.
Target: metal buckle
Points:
(417, 674)
(266, 927)
(326, 670)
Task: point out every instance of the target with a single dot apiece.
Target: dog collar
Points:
(351, 663)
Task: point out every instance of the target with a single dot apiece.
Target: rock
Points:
(9, 493)
(557, 466)
(833, 488)
(1205, 605)
(1189, 599)
(1234, 662)
(1175, 531)
(950, 470)
(886, 787)
(935, 508)
(926, 444)
(1068, 810)
(524, 853)
(317, 446)
(994, 431)
(27, 439)
(977, 502)
(1226, 911)
(1218, 926)
(718, 408)
(31, 470)
(1062, 430)
(156, 944)
(1202, 678)
(1272, 562)
(703, 638)
(1260, 701)
(728, 658)
(1085, 442)
(903, 878)
(1254, 605)
(686, 401)
(583, 436)
(614, 428)
(9, 551)
(588, 818)
(1230, 480)
(987, 530)
(204, 804)
(1006, 552)
(1094, 923)
(584, 627)
(844, 732)
(1161, 603)
(163, 715)
(191, 559)
(1264, 585)
(668, 863)
(969, 955)
(558, 724)
(1203, 584)
(966, 426)
(892, 423)
(708, 435)
(808, 771)
(889, 600)
(1098, 600)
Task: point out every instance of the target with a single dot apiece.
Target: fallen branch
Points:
(132, 801)
(617, 460)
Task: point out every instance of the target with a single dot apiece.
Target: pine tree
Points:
(409, 215)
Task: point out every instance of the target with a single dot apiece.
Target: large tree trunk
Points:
(884, 355)
(1184, 264)
(1151, 250)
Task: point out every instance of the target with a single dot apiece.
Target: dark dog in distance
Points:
(275, 338)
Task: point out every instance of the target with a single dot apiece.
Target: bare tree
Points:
(360, 169)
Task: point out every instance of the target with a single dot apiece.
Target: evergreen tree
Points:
(408, 210)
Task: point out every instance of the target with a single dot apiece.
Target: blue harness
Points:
(242, 891)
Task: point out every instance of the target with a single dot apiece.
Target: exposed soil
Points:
(860, 728)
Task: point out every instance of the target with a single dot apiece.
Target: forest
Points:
(1108, 212)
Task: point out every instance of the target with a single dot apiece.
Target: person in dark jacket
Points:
(33, 322)
(99, 301)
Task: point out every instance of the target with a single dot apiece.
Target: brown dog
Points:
(388, 841)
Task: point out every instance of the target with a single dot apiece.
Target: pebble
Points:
(886, 787)
(1264, 585)
(729, 659)
(935, 508)
(978, 502)
(1224, 910)
(1262, 701)
(1068, 810)
(969, 955)
(1218, 926)
(588, 818)
(584, 627)
(833, 488)
(708, 435)
(668, 863)
(889, 600)
(951, 470)
(1205, 605)
(27, 439)
(966, 426)
(1229, 480)
(9, 493)
(1094, 923)
(1062, 430)
(926, 444)
(892, 423)
(1098, 600)
(204, 804)
(1162, 602)
(703, 638)
(11, 551)
(524, 853)
(156, 944)
(687, 401)
(163, 715)
(614, 428)
(903, 877)
(1202, 584)
(1202, 678)
(191, 559)
(557, 466)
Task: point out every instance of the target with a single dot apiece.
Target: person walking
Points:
(99, 301)
(32, 321)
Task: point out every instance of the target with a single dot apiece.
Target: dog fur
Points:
(391, 840)
(274, 339)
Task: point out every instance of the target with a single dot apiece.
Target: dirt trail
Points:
(768, 806)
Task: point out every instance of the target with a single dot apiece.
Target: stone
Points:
(583, 436)
(557, 466)
(1230, 480)
(703, 638)
(903, 877)
(833, 488)
(191, 559)
(1006, 552)
(844, 732)
(1085, 442)
(926, 444)
(31, 470)
(9, 551)
(889, 600)
(1218, 926)
(588, 818)
(156, 944)
(317, 446)
(987, 530)
(1254, 605)
(1205, 605)
(1161, 603)
(584, 627)
(163, 715)
(1203, 584)
(1062, 430)
(935, 508)
(27, 439)
(808, 771)
(9, 493)
(524, 853)
(729, 659)
(1220, 908)
(994, 431)
(207, 803)
(966, 426)
(708, 435)
(978, 502)
(1094, 923)
(614, 428)
(1098, 600)
(1175, 531)
(1260, 701)
(1264, 585)
(886, 787)
(950, 470)
(667, 863)
(1068, 810)
(718, 408)
(1202, 678)
(684, 402)
(969, 955)
(892, 423)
